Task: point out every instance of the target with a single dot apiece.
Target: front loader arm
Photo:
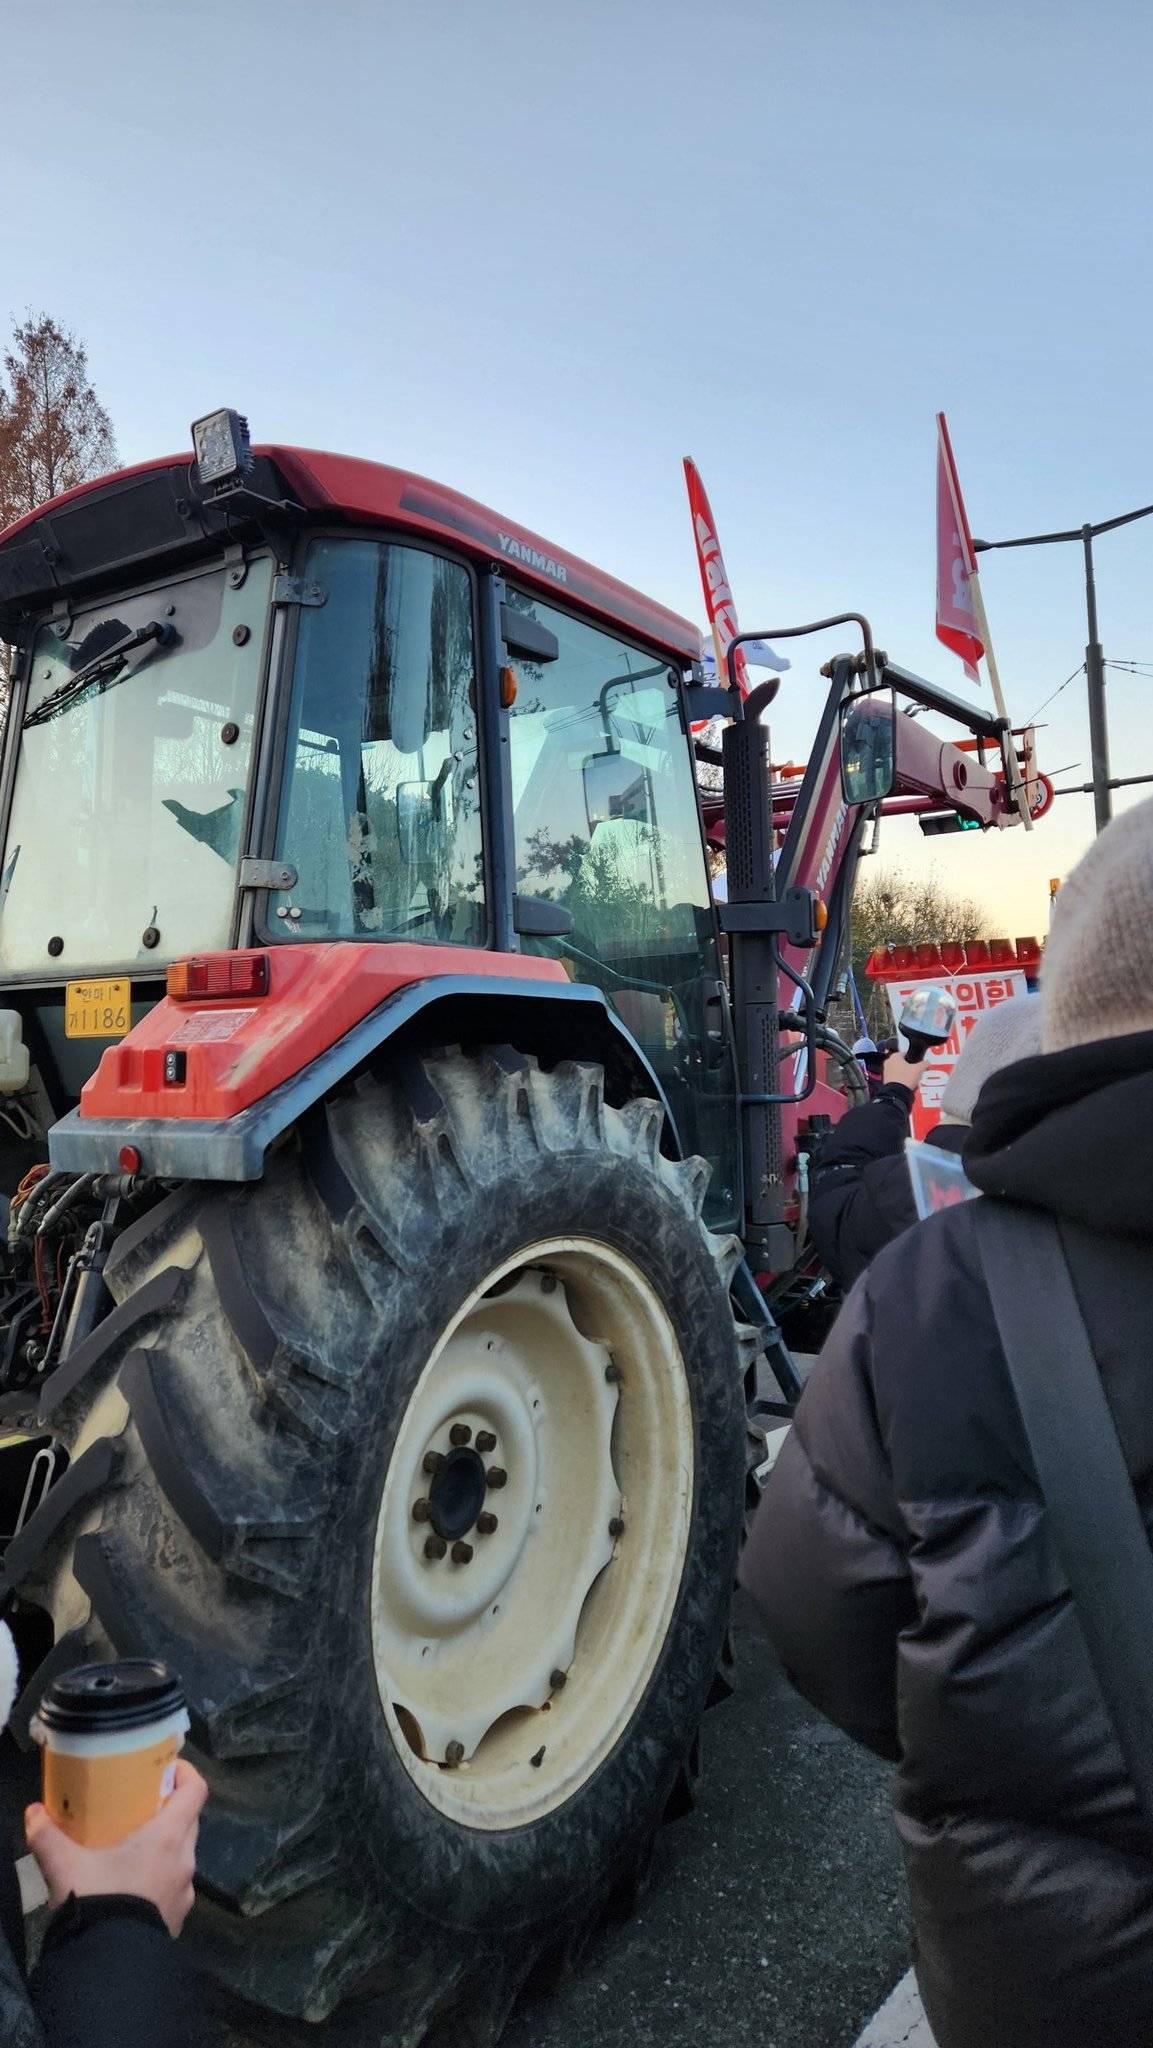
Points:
(820, 837)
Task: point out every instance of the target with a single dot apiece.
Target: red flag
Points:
(957, 624)
(715, 582)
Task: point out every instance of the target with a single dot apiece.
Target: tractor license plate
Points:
(97, 1009)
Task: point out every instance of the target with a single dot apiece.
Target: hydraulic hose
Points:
(72, 1194)
(830, 1041)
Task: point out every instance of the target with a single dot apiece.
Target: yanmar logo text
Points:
(825, 869)
(520, 551)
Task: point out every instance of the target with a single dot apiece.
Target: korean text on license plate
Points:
(97, 1009)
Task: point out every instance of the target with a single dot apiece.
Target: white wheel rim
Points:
(508, 1676)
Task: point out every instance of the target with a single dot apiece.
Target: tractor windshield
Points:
(126, 820)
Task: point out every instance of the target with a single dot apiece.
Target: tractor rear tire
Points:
(430, 1773)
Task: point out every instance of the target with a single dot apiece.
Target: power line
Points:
(1079, 670)
(1143, 669)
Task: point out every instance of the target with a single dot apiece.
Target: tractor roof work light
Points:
(222, 450)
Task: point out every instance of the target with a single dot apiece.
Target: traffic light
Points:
(947, 821)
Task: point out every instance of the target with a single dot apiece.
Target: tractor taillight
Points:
(218, 974)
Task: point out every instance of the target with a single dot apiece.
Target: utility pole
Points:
(1102, 784)
(1095, 682)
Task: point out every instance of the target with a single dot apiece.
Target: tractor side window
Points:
(606, 824)
(604, 805)
(381, 809)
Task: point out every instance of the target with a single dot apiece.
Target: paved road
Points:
(777, 1917)
(901, 2022)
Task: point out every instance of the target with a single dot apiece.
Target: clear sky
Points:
(541, 251)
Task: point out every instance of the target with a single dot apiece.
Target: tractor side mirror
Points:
(868, 746)
(614, 787)
(419, 819)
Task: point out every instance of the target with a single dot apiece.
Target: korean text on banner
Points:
(972, 993)
(957, 622)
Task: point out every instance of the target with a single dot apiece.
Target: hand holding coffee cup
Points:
(157, 1862)
(110, 1736)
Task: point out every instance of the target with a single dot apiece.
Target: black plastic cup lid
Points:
(111, 1698)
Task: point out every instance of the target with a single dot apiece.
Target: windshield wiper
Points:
(104, 668)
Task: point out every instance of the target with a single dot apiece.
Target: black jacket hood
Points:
(1072, 1132)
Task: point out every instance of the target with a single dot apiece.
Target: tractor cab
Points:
(313, 702)
(274, 699)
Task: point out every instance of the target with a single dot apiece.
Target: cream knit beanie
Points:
(1097, 978)
(1009, 1031)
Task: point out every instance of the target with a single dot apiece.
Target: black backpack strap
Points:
(1093, 1512)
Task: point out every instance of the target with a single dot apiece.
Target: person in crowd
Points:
(902, 1558)
(109, 1974)
(860, 1194)
(871, 1057)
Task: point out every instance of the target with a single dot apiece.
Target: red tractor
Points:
(398, 1182)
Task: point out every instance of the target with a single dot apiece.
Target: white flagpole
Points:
(980, 619)
(1019, 791)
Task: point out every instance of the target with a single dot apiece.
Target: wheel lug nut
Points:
(454, 1753)
(485, 1441)
(432, 1462)
(486, 1523)
(462, 1553)
(558, 1679)
(460, 1434)
(496, 1476)
(421, 1510)
(434, 1546)
(613, 1373)
(617, 1526)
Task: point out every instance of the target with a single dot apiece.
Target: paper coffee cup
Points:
(109, 1736)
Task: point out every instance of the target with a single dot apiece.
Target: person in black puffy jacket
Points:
(902, 1557)
(860, 1193)
(109, 1973)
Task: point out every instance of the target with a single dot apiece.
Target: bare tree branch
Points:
(893, 908)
